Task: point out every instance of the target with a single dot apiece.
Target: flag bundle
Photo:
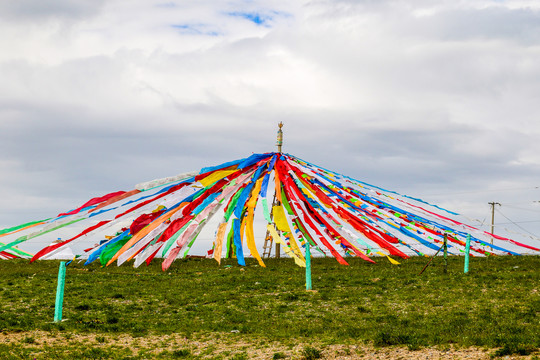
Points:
(337, 215)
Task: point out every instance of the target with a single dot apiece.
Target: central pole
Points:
(280, 137)
(276, 201)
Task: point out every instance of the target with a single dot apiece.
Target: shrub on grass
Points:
(362, 309)
(511, 349)
(388, 338)
(290, 297)
(111, 319)
(94, 353)
(278, 355)
(180, 353)
(28, 340)
(311, 353)
(82, 307)
(413, 344)
(385, 338)
(100, 339)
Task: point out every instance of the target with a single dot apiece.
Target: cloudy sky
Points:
(438, 100)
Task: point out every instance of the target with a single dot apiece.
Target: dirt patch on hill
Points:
(234, 346)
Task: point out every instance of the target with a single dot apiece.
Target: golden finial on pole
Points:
(280, 137)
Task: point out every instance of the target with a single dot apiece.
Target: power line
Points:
(518, 208)
(528, 202)
(516, 224)
(519, 222)
(484, 191)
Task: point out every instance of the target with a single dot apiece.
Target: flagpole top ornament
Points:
(280, 137)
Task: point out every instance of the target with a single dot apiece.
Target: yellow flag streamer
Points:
(247, 222)
(218, 175)
(273, 232)
(219, 241)
(255, 194)
(250, 238)
(388, 257)
(281, 222)
(279, 218)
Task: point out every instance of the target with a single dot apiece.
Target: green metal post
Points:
(60, 292)
(445, 253)
(467, 251)
(308, 266)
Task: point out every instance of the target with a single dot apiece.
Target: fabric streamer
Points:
(313, 206)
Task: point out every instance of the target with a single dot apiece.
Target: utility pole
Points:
(493, 219)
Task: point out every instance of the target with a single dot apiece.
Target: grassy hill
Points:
(496, 307)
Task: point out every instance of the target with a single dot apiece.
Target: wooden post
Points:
(60, 292)
(430, 260)
(445, 245)
(467, 251)
(308, 266)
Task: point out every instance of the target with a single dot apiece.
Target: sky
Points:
(436, 100)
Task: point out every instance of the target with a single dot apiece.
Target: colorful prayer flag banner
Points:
(334, 213)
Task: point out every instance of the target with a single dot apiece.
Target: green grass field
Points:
(495, 307)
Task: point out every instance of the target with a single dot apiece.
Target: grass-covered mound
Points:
(496, 305)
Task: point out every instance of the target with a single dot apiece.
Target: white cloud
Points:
(424, 99)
